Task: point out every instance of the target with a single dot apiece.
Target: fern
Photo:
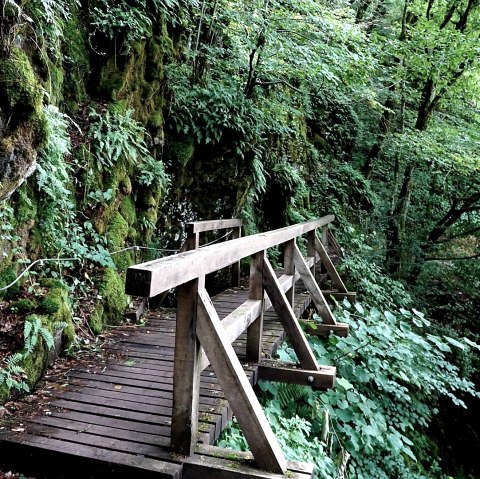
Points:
(33, 331)
(12, 374)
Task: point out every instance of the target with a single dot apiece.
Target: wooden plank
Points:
(317, 329)
(237, 233)
(287, 318)
(237, 389)
(203, 466)
(338, 296)
(255, 329)
(311, 248)
(323, 379)
(317, 297)
(186, 381)
(329, 266)
(211, 225)
(154, 277)
(289, 269)
(35, 454)
(214, 451)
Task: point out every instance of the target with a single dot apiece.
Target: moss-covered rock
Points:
(113, 302)
(22, 122)
(97, 320)
(128, 211)
(181, 151)
(56, 304)
(22, 306)
(21, 92)
(7, 276)
(117, 232)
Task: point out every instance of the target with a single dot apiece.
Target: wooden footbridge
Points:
(165, 391)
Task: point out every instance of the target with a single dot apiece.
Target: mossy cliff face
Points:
(22, 125)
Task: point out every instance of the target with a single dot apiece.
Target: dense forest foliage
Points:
(122, 120)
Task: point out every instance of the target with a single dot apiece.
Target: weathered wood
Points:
(311, 251)
(210, 225)
(214, 451)
(338, 296)
(325, 229)
(329, 266)
(35, 455)
(237, 233)
(317, 297)
(317, 329)
(153, 277)
(287, 318)
(289, 268)
(216, 463)
(255, 329)
(237, 388)
(236, 322)
(186, 381)
(324, 378)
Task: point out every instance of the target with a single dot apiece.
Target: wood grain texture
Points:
(154, 277)
(238, 389)
(287, 318)
(329, 266)
(186, 380)
(308, 279)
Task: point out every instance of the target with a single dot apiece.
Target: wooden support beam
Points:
(287, 318)
(154, 277)
(289, 268)
(351, 296)
(237, 389)
(237, 233)
(331, 270)
(324, 378)
(255, 329)
(317, 297)
(242, 317)
(186, 373)
(212, 462)
(311, 251)
(211, 225)
(318, 329)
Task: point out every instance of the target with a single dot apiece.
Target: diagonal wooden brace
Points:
(329, 266)
(237, 388)
(319, 300)
(287, 318)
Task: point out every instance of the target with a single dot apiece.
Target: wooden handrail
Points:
(211, 225)
(151, 278)
(202, 338)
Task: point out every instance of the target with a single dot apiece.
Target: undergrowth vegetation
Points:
(392, 371)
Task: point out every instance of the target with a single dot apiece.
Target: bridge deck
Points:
(112, 413)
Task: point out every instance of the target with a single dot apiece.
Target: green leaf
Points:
(455, 343)
(343, 383)
(359, 308)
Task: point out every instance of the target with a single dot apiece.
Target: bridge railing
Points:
(202, 339)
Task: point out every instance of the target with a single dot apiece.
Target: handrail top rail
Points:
(211, 225)
(153, 277)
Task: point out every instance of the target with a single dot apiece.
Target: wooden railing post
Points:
(193, 242)
(311, 251)
(289, 268)
(237, 233)
(186, 372)
(255, 330)
(325, 236)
